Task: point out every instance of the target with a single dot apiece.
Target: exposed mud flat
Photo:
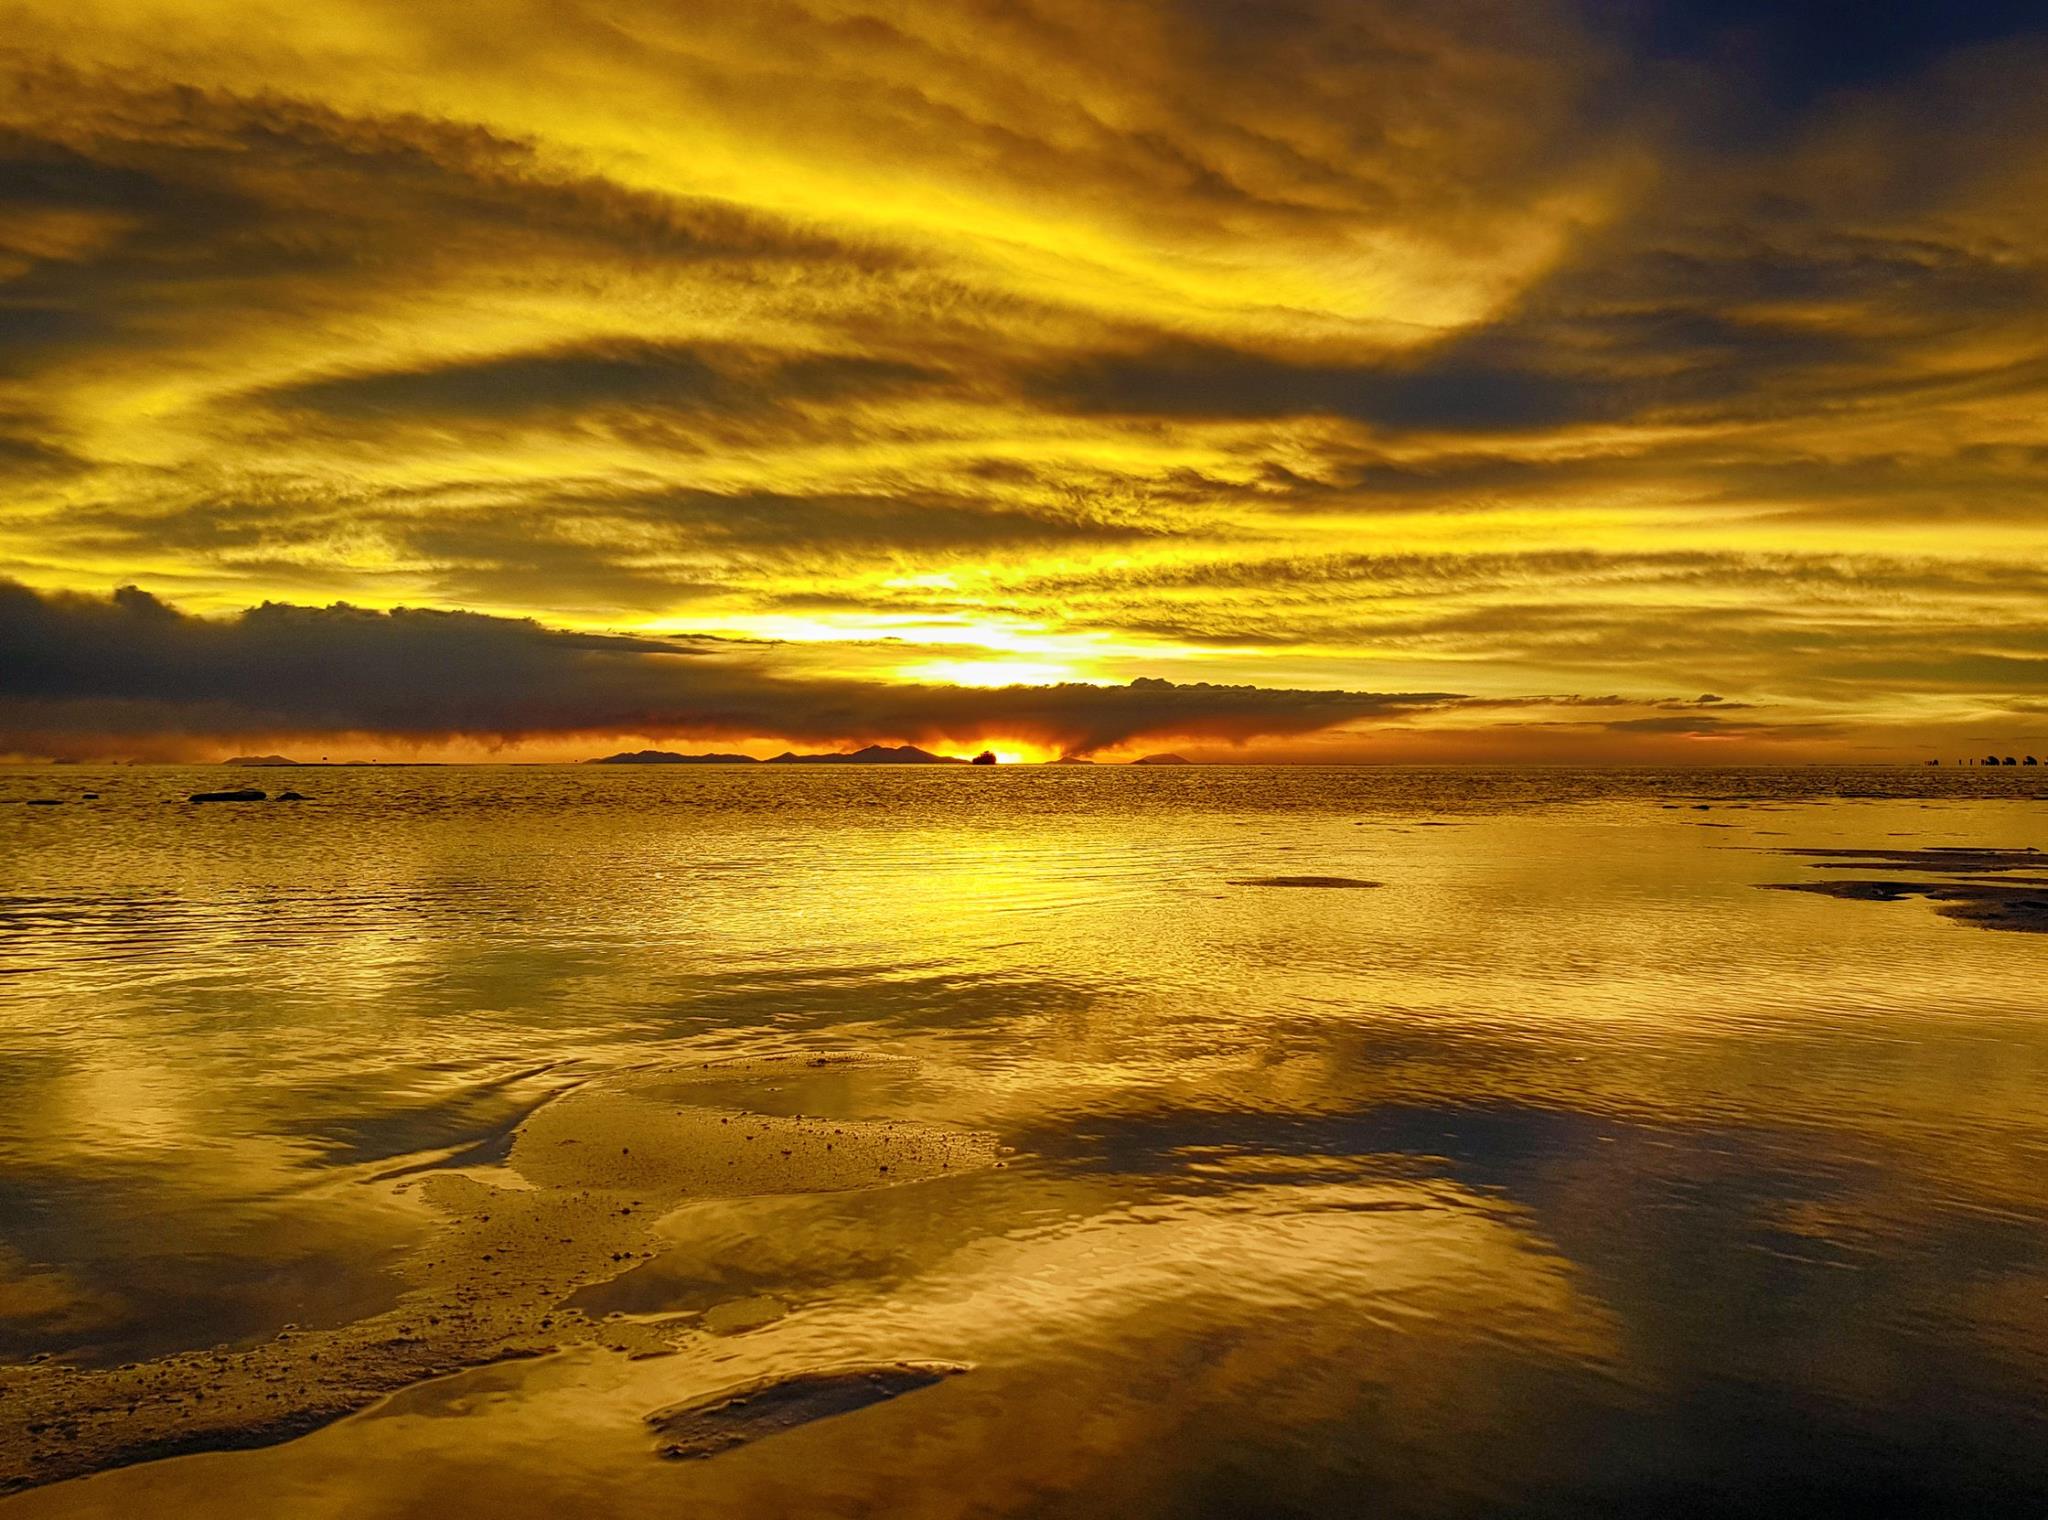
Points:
(2014, 905)
(706, 1427)
(1947, 859)
(575, 1203)
(1302, 881)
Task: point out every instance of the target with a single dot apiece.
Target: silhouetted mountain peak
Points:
(873, 754)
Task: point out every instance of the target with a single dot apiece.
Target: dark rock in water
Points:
(291, 797)
(986, 757)
(46, 802)
(706, 1427)
(241, 794)
(670, 757)
(1302, 881)
(90, 796)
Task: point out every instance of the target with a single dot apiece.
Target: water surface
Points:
(1563, 1171)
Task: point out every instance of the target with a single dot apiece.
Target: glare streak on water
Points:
(1566, 1170)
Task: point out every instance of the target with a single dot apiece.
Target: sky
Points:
(1316, 380)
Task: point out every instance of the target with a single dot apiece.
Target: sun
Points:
(1012, 751)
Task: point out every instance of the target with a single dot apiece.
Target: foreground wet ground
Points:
(588, 1177)
(480, 1144)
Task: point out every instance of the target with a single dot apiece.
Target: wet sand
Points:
(575, 1205)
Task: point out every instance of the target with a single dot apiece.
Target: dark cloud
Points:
(1452, 392)
(710, 377)
(286, 207)
(1903, 667)
(23, 456)
(1649, 338)
(589, 547)
(1678, 725)
(1792, 52)
(78, 671)
(908, 522)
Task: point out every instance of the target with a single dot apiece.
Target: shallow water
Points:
(1563, 1171)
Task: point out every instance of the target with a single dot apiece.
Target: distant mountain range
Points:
(339, 765)
(874, 754)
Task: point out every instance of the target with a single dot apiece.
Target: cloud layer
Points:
(79, 674)
(1511, 350)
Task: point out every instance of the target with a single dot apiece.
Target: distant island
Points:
(323, 761)
(874, 754)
